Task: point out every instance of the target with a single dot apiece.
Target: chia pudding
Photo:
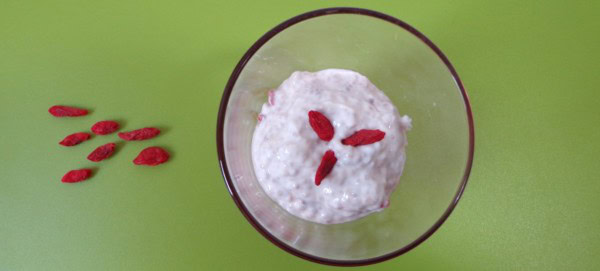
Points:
(339, 162)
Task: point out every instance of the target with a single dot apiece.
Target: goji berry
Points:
(140, 134)
(271, 97)
(151, 156)
(321, 125)
(74, 139)
(66, 111)
(105, 127)
(102, 152)
(327, 163)
(76, 175)
(364, 137)
(385, 204)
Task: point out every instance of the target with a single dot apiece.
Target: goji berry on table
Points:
(140, 134)
(102, 152)
(74, 139)
(105, 127)
(77, 175)
(67, 111)
(151, 156)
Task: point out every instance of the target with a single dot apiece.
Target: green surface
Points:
(531, 70)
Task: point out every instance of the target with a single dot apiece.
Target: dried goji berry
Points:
(76, 175)
(66, 111)
(151, 156)
(271, 97)
(321, 125)
(102, 152)
(105, 127)
(327, 163)
(364, 137)
(74, 139)
(140, 134)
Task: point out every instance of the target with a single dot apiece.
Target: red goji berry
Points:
(76, 175)
(74, 139)
(151, 156)
(105, 127)
(321, 125)
(102, 152)
(327, 163)
(140, 134)
(364, 137)
(66, 111)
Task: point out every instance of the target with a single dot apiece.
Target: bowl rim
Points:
(221, 121)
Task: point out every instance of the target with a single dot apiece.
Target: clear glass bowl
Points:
(420, 81)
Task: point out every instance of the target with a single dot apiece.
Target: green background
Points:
(530, 67)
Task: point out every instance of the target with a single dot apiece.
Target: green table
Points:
(531, 69)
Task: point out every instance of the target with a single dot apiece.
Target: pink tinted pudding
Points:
(337, 164)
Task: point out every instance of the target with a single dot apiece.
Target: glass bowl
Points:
(419, 80)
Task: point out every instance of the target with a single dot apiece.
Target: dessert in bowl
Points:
(416, 78)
